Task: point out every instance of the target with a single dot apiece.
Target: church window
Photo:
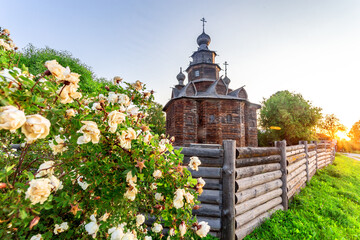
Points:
(211, 119)
(197, 73)
(229, 118)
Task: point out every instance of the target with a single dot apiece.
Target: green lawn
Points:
(328, 208)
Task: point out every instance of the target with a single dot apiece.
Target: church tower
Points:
(206, 110)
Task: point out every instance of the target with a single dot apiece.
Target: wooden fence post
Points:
(307, 161)
(316, 154)
(228, 191)
(285, 200)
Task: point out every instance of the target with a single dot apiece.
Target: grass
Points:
(328, 208)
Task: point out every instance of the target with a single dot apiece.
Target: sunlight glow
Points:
(342, 135)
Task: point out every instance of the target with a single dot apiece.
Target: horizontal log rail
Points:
(255, 170)
(249, 152)
(249, 182)
(243, 162)
(257, 191)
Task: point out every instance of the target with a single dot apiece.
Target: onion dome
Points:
(226, 80)
(180, 77)
(203, 39)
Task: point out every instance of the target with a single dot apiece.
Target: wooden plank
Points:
(251, 215)
(211, 196)
(208, 210)
(288, 154)
(295, 158)
(257, 191)
(296, 188)
(206, 161)
(252, 203)
(243, 162)
(201, 152)
(295, 166)
(206, 172)
(291, 184)
(250, 152)
(249, 182)
(228, 196)
(213, 184)
(294, 147)
(254, 170)
(293, 174)
(246, 229)
(214, 223)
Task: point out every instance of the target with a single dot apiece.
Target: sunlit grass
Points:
(329, 208)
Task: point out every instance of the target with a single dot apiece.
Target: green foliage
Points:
(96, 145)
(328, 208)
(295, 116)
(34, 58)
(330, 125)
(156, 119)
(355, 133)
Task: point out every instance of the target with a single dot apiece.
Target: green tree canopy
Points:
(354, 133)
(295, 116)
(330, 125)
(156, 119)
(34, 58)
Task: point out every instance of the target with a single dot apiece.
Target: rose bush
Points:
(88, 166)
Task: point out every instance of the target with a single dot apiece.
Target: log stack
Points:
(257, 187)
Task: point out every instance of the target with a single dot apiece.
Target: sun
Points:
(342, 135)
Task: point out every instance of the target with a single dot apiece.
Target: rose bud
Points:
(3, 185)
(107, 88)
(97, 198)
(34, 222)
(196, 207)
(47, 73)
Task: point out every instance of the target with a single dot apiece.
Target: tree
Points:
(295, 116)
(330, 125)
(354, 133)
(156, 119)
(34, 58)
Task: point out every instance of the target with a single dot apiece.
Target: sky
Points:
(310, 47)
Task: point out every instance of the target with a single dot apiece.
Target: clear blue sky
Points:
(310, 46)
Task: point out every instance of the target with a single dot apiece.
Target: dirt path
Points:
(353, 156)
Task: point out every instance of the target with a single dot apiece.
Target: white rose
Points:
(189, 197)
(68, 93)
(35, 127)
(96, 106)
(60, 147)
(84, 185)
(90, 131)
(201, 182)
(162, 145)
(133, 111)
(61, 228)
(194, 163)
(71, 77)
(71, 112)
(130, 178)
(115, 118)
(137, 85)
(126, 137)
(55, 68)
(45, 168)
(104, 217)
(113, 97)
(202, 229)
(37, 237)
(182, 229)
(129, 236)
(39, 190)
(157, 174)
(148, 238)
(172, 232)
(10, 79)
(148, 137)
(124, 100)
(140, 219)
(153, 186)
(57, 184)
(92, 227)
(11, 118)
(178, 202)
(117, 233)
(157, 228)
(131, 193)
(159, 196)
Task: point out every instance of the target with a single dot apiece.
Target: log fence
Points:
(244, 186)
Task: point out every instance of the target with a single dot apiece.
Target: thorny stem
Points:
(59, 93)
(47, 72)
(22, 156)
